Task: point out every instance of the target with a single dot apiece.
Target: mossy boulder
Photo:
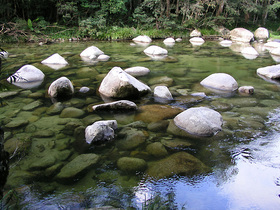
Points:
(131, 164)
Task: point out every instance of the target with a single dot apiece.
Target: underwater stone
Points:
(116, 105)
(131, 164)
(157, 149)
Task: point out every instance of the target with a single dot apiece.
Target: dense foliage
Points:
(94, 18)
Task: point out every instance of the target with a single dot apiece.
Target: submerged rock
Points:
(78, 166)
(157, 149)
(180, 163)
(71, 112)
(101, 131)
(131, 164)
(200, 121)
(155, 112)
(130, 138)
(119, 84)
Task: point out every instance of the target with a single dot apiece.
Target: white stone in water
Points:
(101, 131)
(137, 71)
(119, 84)
(169, 40)
(272, 72)
(84, 89)
(103, 57)
(155, 50)
(246, 89)
(220, 81)
(55, 59)
(92, 52)
(271, 45)
(196, 41)
(195, 33)
(199, 121)
(61, 87)
(26, 74)
(162, 92)
(261, 34)
(241, 35)
(144, 39)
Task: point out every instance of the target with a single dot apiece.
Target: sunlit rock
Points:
(119, 84)
(272, 72)
(196, 41)
(155, 50)
(261, 34)
(199, 121)
(27, 74)
(162, 93)
(137, 71)
(180, 163)
(131, 164)
(241, 35)
(169, 40)
(246, 90)
(226, 43)
(103, 58)
(61, 88)
(249, 53)
(116, 105)
(101, 131)
(55, 61)
(220, 81)
(91, 52)
(195, 33)
(144, 39)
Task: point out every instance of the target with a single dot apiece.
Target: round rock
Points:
(61, 87)
(220, 81)
(200, 121)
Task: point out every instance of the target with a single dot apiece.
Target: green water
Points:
(243, 159)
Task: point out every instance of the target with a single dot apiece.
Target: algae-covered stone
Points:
(181, 163)
(71, 112)
(16, 123)
(155, 112)
(130, 164)
(157, 149)
(176, 144)
(17, 145)
(42, 163)
(78, 166)
(32, 105)
(130, 139)
(56, 108)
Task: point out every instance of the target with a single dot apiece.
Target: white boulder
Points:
(61, 87)
(27, 74)
(103, 57)
(195, 33)
(91, 52)
(101, 131)
(137, 71)
(55, 59)
(200, 121)
(220, 81)
(119, 84)
(155, 50)
(162, 92)
(261, 34)
(169, 40)
(142, 38)
(271, 45)
(241, 35)
(272, 72)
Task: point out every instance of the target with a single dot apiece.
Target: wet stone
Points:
(176, 144)
(16, 123)
(56, 108)
(32, 105)
(71, 112)
(42, 163)
(130, 164)
(130, 138)
(44, 134)
(158, 126)
(156, 149)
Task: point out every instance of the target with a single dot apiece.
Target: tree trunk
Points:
(221, 4)
(168, 8)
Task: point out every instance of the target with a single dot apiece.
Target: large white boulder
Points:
(272, 72)
(101, 131)
(199, 121)
(91, 52)
(220, 81)
(55, 59)
(155, 50)
(26, 74)
(61, 87)
(241, 35)
(261, 34)
(119, 84)
(142, 38)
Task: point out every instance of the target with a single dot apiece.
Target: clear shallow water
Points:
(244, 158)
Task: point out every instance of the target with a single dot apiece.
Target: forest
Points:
(121, 19)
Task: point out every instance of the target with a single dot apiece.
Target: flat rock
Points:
(116, 105)
(77, 166)
(180, 163)
(272, 72)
